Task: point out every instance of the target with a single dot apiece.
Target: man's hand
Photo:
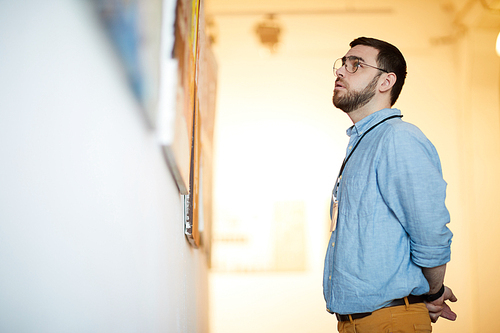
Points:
(439, 308)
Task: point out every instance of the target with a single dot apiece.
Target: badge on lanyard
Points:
(335, 213)
(334, 209)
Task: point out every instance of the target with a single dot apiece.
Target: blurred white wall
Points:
(91, 233)
(279, 138)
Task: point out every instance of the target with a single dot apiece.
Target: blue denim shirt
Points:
(392, 218)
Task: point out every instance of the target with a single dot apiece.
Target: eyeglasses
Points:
(351, 64)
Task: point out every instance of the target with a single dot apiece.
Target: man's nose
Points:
(339, 72)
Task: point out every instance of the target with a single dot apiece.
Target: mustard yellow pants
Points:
(407, 318)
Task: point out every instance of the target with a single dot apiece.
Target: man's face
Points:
(354, 90)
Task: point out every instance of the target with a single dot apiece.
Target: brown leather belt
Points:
(412, 299)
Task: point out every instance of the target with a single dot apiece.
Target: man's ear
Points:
(388, 82)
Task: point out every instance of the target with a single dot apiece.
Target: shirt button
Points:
(330, 277)
(350, 147)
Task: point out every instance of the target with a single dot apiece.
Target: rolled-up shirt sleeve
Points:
(411, 184)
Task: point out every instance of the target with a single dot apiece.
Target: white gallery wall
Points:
(91, 231)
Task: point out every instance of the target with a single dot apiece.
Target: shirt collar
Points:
(364, 124)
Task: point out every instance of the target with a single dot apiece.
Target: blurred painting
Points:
(172, 72)
(135, 29)
(269, 238)
(198, 229)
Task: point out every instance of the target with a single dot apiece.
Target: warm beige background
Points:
(278, 139)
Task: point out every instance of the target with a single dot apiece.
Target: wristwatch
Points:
(433, 297)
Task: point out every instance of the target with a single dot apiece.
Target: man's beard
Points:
(353, 100)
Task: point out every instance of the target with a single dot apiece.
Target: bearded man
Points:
(386, 259)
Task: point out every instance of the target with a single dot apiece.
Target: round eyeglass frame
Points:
(352, 58)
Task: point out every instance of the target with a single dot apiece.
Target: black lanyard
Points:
(339, 177)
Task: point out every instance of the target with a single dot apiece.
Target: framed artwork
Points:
(177, 99)
(272, 238)
(172, 73)
(134, 27)
(189, 76)
(199, 202)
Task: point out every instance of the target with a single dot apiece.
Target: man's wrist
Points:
(433, 297)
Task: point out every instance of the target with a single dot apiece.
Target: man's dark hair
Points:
(389, 58)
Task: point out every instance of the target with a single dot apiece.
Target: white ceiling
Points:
(473, 12)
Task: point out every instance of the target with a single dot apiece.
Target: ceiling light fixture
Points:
(269, 31)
